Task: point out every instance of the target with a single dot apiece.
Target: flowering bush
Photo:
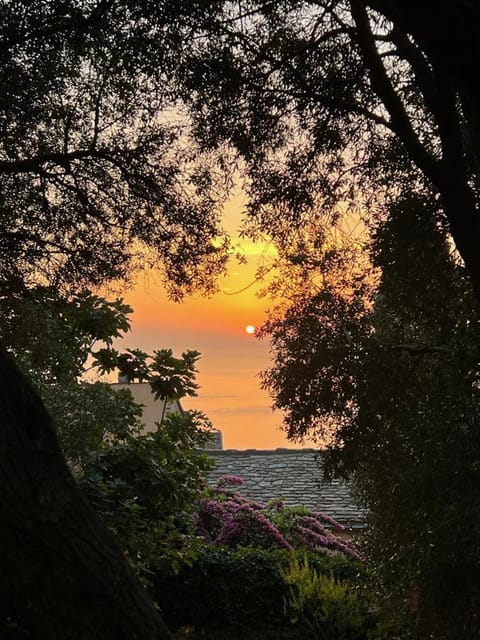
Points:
(224, 517)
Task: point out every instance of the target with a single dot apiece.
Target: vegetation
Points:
(342, 103)
(146, 489)
(397, 376)
(324, 604)
(92, 179)
(242, 581)
(362, 107)
(243, 594)
(226, 518)
(326, 108)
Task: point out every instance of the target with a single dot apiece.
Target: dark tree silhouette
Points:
(95, 176)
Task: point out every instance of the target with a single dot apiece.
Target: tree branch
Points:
(382, 86)
(63, 25)
(418, 349)
(33, 164)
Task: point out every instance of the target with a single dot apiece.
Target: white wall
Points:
(152, 409)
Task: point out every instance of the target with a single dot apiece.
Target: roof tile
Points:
(296, 475)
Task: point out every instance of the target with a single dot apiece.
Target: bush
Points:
(241, 594)
(146, 488)
(325, 604)
(226, 518)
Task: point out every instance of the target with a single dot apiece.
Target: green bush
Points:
(328, 606)
(242, 594)
(145, 490)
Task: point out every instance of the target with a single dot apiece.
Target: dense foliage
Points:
(327, 104)
(143, 486)
(243, 594)
(54, 338)
(342, 103)
(418, 417)
(396, 375)
(146, 489)
(93, 164)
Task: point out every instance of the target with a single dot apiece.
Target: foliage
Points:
(404, 397)
(226, 518)
(343, 103)
(142, 486)
(240, 594)
(310, 530)
(169, 377)
(52, 335)
(58, 338)
(418, 411)
(327, 606)
(95, 179)
(317, 343)
(90, 416)
(145, 488)
(93, 165)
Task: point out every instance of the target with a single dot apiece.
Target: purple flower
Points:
(231, 480)
(312, 523)
(328, 520)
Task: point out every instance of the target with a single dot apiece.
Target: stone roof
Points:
(292, 474)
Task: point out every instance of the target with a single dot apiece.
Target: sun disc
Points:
(250, 329)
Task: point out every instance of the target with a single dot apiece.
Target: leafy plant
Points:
(145, 489)
(329, 607)
(240, 594)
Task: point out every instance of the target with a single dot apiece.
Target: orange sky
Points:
(230, 391)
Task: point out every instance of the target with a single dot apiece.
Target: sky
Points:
(230, 392)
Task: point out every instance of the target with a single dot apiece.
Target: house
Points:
(296, 475)
(155, 409)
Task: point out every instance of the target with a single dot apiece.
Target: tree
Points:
(54, 550)
(54, 338)
(348, 100)
(354, 105)
(92, 165)
(145, 489)
(94, 178)
(418, 417)
(142, 486)
(392, 379)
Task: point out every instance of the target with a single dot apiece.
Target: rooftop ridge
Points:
(281, 450)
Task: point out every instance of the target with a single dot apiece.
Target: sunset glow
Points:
(230, 392)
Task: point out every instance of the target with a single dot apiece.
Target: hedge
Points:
(240, 595)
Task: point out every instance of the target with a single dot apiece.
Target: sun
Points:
(250, 329)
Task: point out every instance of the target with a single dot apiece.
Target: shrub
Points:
(146, 488)
(324, 603)
(241, 594)
(224, 517)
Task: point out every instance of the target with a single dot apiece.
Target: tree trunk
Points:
(61, 571)
(447, 34)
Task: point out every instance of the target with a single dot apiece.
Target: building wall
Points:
(152, 409)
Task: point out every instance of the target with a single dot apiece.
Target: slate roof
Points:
(292, 474)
